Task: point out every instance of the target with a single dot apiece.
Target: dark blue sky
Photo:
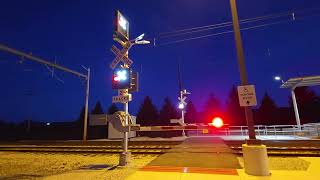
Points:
(79, 33)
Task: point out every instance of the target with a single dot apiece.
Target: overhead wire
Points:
(270, 16)
(294, 18)
(226, 24)
(220, 25)
(224, 32)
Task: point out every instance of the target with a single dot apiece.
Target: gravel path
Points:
(19, 165)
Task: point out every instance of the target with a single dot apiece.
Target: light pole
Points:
(254, 153)
(242, 69)
(85, 122)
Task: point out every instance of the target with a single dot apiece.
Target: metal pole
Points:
(295, 106)
(85, 122)
(242, 66)
(182, 116)
(182, 113)
(39, 60)
(125, 143)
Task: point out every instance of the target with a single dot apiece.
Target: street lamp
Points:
(254, 153)
(278, 78)
(139, 40)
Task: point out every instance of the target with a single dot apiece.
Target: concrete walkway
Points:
(204, 152)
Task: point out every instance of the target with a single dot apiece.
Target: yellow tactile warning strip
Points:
(190, 170)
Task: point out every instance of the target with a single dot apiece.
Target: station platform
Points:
(203, 158)
(209, 158)
(187, 173)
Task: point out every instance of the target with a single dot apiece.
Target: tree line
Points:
(267, 113)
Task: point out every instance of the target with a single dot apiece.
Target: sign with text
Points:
(122, 99)
(123, 92)
(247, 95)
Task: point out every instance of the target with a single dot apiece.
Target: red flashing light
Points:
(116, 78)
(217, 122)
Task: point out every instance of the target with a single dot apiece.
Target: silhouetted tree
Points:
(79, 124)
(112, 109)
(147, 115)
(308, 104)
(235, 114)
(212, 108)
(101, 131)
(191, 113)
(97, 109)
(167, 112)
(267, 112)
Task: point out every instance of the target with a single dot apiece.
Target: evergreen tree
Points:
(147, 116)
(304, 96)
(112, 109)
(79, 124)
(267, 111)
(95, 132)
(212, 108)
(308, 105)
(97, 109)
(191, 113)
(167, 112)
(235, 114)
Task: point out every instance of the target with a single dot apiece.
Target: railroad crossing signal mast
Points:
(124, 80)
(182, 106)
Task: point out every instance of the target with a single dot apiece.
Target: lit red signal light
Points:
(217, 122)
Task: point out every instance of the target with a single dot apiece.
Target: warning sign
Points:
(247, 95)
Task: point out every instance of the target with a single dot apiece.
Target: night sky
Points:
(76, 33)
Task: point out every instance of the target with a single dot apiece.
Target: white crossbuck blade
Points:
(120, 56)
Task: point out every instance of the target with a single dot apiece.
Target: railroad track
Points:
(152, 149)
(286, 151)
(149, 149)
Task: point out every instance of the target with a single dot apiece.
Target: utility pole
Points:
(254, 153)
(242, 68)
(54, 65)
(85, 122)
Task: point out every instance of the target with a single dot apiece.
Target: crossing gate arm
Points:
(176, 128)
(118, 122)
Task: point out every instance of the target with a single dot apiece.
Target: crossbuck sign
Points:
(120, 56)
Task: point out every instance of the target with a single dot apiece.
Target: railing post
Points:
(266, 130)
(241, 131)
